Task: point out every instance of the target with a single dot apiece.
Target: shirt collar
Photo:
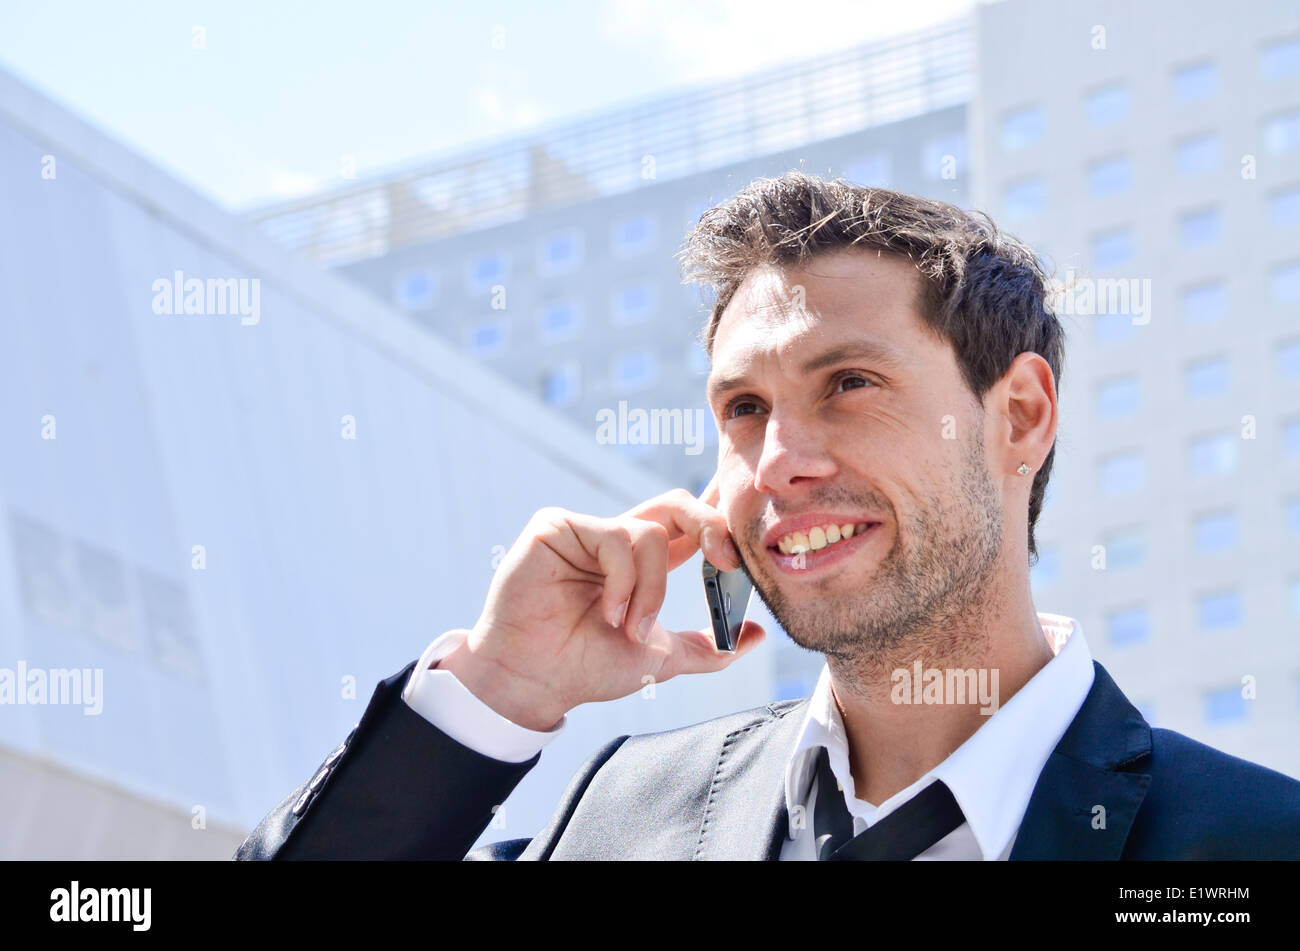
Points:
(993, 773)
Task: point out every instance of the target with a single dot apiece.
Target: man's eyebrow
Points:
(870, 351)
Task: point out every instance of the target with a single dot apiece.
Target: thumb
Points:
(696, 652)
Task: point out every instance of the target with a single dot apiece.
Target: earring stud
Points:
(1024, 469)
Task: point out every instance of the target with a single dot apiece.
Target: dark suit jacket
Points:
(400, 788)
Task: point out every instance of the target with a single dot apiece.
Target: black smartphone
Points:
(728, 595)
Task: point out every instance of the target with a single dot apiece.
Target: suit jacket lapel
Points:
(745, 816)
(1089, 793)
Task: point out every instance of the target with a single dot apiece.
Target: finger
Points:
(609, 543)
(693, 525)
(696, 652)
(711, 496)
(650, 557)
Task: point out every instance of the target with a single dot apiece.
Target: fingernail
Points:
(619, 613)
(643, 629)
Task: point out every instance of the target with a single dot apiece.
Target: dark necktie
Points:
(902, 835)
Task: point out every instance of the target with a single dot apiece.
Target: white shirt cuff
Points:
(449, 705)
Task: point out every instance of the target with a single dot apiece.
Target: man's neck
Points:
(893, 743)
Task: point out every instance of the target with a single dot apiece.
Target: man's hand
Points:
(571, 615)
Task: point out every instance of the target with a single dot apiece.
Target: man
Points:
(884, 378)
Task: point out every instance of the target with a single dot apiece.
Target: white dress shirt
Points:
(991, 775)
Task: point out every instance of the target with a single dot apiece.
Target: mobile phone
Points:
(727, 593)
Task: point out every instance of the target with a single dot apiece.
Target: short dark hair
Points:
(982, 290)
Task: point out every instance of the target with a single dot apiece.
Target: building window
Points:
(1293, 516)
(1291, 438)
(1225, 706)
(1208, 377)
(1110, 329)
(634, 371)
(560, 254)
(1284, 207)
(1128, 627)
(1215, 531)
(1198, 155)
(1126, 549)
(1205, 302)
(1213, 455)
(1285, 282)
(1022, 128)
(634, 304)
(1282, 133)
(1112, 176)
(872, 171)
(1118, 397)
(1107, 104)
(944, 157)
(1113, 249)
(634, 236)
(1024, 199)
(1280, 58)
(1295, 596)
(1196, 82)
(1122, 474)
(1200, 229)
(415, 290)
(1218, 610)
(1047, 570)
(559, 321)
(1288, 359)
(487, 271)
(560, 386)
(487, 338)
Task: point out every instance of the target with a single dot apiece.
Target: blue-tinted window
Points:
(1208, 377)
(487, 271)
(1225, 706)
(634, 235)
(487, 338)
(1126, 549)
(1212, 455)
(1280, 59)
(1282, 133)
(1285, 281)
(1291, 438)
(1112, 176)
(1128, 627)
(1113, 328)
(635, 370)
(1199, 229)
(1022, 128)
(1218, 611)
(1112, 249)
(1288, 360)
(1293, 516)
(1047, 570)
(1205, 302)
(1295, 596)
(1216, 531)
(634, 304)
(1121, 474)
(938, 153)
(1024, 199)
(415, 290)
(1284, 208)
(560, 253)
(1198, 155)
(873, 170)
(1108, 104)
(1196, 82)
(560, 386)
(560, 321)
(1119, 397)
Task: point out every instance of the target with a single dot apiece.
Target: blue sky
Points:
(282, 93)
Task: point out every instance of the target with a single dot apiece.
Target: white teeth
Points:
(819, 537)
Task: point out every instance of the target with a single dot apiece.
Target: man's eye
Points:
(729, 412)
(846, 377)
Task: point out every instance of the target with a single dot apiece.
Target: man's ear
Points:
(1030, 409)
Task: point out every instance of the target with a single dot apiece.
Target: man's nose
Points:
(791, 452)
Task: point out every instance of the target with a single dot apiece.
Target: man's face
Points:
(836, 406)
